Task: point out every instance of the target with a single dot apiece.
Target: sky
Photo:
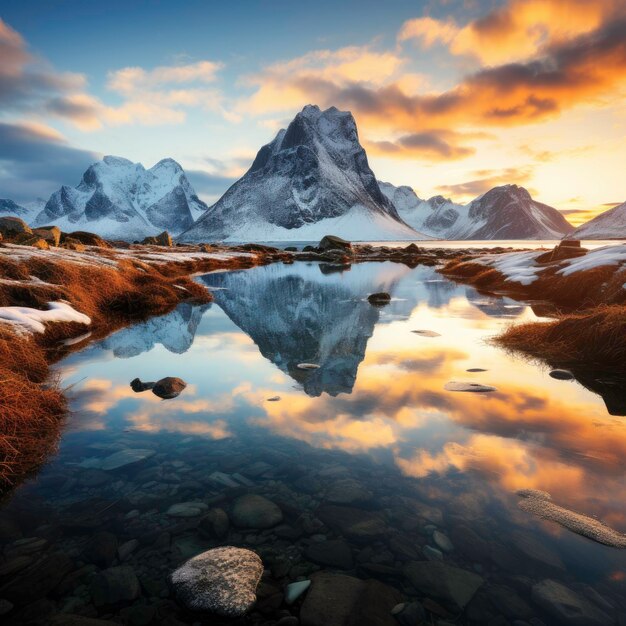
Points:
(450, 97)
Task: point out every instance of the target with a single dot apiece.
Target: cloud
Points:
(486, 180)
(35, 160)
(208, 184)
(515, 30)
(432, 145)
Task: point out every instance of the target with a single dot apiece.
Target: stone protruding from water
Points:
(380, 298)
(166, 388)
(221, 580)
(540, 503)
(454, 385)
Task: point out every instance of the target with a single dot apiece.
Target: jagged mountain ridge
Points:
(504, 212)
(117, 198)
(610, 224)
(312, 179)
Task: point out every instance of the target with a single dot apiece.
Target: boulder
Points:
(221, 580)
(88, 239)
(568, 249)
(214, 524)
(340, 600)
(335, 553)
(168, 387)
(331, 242)
(379, 299)
(566, 606)
(69, 243)
(12, 226)
(52, 234)
(101, 549)
(115, 586)
(356, 524)
(122, 458)
(163, 239)
(25, 239)
(254, 511)
(452, 585)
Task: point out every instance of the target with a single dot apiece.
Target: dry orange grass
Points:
(31, 406)
(595, 340)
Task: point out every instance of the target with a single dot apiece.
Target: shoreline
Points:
(117, 287)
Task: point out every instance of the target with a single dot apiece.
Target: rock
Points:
(125, 457)
(101, 549)
(15, 564)
(214, 524)
(126, 549)
(476, 369)
(340, 600)
(274, 399)
(254, 511)
(12, 226)
(187, 509)
(409, 614)
(139, 387)
(163, 239)
(564, 250)
(348, 491)
(442, 541)
(72, 244)
(379, 299)
(294, 590)
(24, 239)
(465, 386)
(562, 374)
(355, 524)
(566, 606)
(334, 553)
(68, 619)
(331, 242)
(508, 602)
(426, 333)
(452, 585)
(5, 607)
(307, 366)
(432, 554)
(37, 580)
(221, 580)
(87, 239)
(168, 387)
(534, 549)
(52, 234)
(114, 586)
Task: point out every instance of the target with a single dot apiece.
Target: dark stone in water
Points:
(115, 586)
(138, 387)
(101, 549)
(331, 242)
(335, 553)
(340, 600)
(356, 524)
(169, 387)
(379, 299)
(562, 374)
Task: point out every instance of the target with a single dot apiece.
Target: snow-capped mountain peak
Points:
(610, 224)
(120, 199)
(312, 179)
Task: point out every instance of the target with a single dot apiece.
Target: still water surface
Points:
(375, 415)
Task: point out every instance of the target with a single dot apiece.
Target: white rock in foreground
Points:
(221, 580)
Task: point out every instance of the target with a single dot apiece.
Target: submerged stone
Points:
(468, 386)
(294, 590)
(221, 580)
(254, 511)
(119, 459)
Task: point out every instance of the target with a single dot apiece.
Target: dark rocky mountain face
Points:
(8, 207)
(314, 170)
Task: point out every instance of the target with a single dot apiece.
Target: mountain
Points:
(122, 200)
(297, 314)
(313, 179)
(608, 225)
(8, 207)
(505, 212)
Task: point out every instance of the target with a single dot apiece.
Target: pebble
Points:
(294, 590)
(562, 374)
(465, 386)
(307, 366)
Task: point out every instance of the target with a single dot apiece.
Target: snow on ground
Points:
(520, 267)
(34, 320)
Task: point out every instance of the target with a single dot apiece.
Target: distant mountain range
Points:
(506, 212)
(313, 179)
(120, 199)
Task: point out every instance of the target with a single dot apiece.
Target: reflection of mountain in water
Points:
(296, 313)
(495, 306)
(174, 331)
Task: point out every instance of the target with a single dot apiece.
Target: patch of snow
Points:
(607, 255)
(34, 320)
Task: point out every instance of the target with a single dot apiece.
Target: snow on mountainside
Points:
(505, 212)
(313, 179)
(8, 207)
(608, 225)
(120, 199)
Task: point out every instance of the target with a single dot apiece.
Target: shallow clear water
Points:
(375, 413)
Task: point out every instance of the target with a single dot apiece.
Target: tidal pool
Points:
(373, 463)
